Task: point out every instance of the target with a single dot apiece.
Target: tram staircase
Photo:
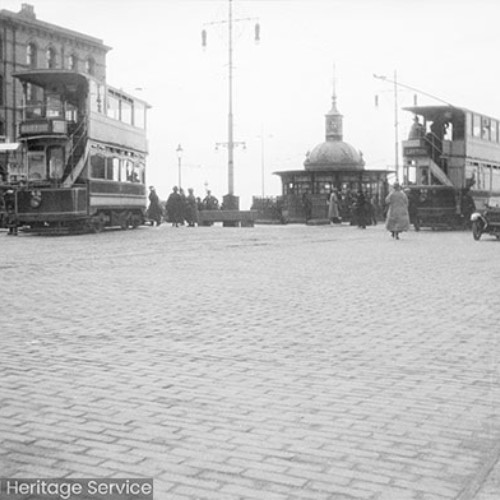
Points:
(437, 155)
(77, 152)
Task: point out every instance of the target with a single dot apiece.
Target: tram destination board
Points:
(415, 152)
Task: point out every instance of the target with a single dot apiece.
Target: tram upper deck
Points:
(453, 146)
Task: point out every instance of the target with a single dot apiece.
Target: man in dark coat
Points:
(361, 210)
(155, 211)
(175, 208)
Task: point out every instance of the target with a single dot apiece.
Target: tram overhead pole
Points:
(231, 143)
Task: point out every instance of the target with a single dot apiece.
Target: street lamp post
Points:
(262, 167)
(231, 143)
(179, 152)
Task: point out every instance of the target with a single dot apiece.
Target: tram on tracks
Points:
(451, 164)
(83, 152)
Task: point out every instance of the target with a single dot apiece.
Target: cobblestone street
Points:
(275, 362)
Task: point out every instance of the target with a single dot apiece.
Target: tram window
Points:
(485, 129)
(476, 125)
(494, 130)
(495, 178)
(139, 115)
(53, 106)
(37, 169)
(113, 106)
(126, 111)
(109, 168)
(98, 167)
(458, 128)
(116, 169)
(55, 156)
(123, 171)
(71, 113)
(129, 171)
(141, 173)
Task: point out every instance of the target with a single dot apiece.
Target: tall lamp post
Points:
(262, 167)
(179, 152)
(231, 144)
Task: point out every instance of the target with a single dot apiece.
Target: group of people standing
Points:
(180, 209)
(362, 210)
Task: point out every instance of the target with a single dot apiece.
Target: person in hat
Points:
(155, 211)
(175, 207)
(398, 219)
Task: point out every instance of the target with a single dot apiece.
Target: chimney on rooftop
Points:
(28, 11)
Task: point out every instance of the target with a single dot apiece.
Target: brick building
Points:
(28, 43)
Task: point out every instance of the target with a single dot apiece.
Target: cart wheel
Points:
(477, 228)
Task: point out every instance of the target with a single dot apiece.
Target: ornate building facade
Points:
(28, 43)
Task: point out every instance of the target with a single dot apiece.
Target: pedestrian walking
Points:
(333, 208)
(398, 219)
(175, 208)
(155, 211)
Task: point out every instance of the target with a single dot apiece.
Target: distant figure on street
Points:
(210, 202)
(361, 210)
(175, 207)
(307, 204)
(184, 205)
(333, 207)
(398, 219)
(155, 211)
(191, 208)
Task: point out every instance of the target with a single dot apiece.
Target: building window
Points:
(51, 58)
(31, 55)
(72, 62)
(90, 66)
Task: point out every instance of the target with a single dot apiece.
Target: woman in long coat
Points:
(398, 219)
(333, 207)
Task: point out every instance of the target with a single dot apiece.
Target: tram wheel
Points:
(477, 229)
(98, 223)
(135, 221)
(124, 220)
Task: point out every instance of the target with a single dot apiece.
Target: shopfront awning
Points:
(9, 146)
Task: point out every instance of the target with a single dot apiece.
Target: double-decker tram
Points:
(451, 163)
(84, 151)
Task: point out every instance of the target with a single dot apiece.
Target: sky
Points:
(282, 86)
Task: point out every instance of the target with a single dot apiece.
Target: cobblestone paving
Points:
(278, 362)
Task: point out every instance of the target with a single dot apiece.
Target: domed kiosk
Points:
(331, 165)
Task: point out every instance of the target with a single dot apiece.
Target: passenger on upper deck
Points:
(417, 130)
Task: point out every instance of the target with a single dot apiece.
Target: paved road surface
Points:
(278, 362)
